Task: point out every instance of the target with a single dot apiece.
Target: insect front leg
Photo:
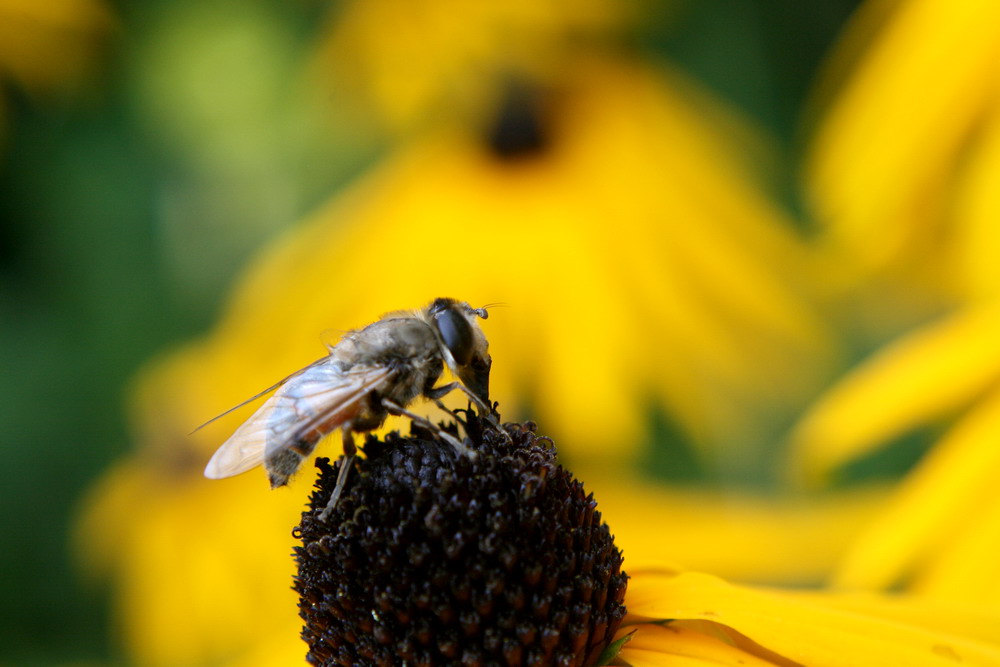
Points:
(345, 468)
(396, 409)
(437, 393)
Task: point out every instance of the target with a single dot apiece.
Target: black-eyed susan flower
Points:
(210, 553)
(903, 178)
(434, 558)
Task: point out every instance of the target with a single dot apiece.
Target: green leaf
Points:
(610, 652)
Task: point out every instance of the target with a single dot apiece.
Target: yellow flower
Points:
(410, 63)
(665, 277)
(631, 221)
(201, 570)
(618, 216)
(45, 46)
(905, 175)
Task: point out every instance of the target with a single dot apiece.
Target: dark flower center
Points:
(433, 558)
(519, 129)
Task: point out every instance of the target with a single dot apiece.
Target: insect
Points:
(369, 374)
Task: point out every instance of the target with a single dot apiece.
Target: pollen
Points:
(433, 558)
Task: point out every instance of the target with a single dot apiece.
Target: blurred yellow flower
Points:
(635, 223)
(939, 530)
(642, 267)
(201, 570)
(412, 62)
(905, 175)
(696, 528)
(46, 46)
(614, 208)
(903, 169)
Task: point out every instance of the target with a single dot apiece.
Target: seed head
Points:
(431, 557)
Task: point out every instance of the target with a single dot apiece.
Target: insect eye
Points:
(457, 335)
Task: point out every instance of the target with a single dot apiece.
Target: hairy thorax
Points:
(405, 345)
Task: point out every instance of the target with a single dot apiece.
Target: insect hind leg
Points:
(345, 468)
(397, 409)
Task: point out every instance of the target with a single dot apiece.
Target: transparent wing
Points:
(316, 401)
(245, 448)
(253, 398)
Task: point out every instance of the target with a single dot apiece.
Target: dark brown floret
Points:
(433, 558)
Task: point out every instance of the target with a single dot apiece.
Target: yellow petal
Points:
(670, 645)
(862, 28)
(977, 207)
(946, 490)
(912, 381)
(697, 529)
(965, 567)
(803, 631)
(881, 154)
(976, 621)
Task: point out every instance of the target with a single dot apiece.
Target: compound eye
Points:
(457, 335)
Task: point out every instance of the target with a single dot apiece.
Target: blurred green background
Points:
(129, 200)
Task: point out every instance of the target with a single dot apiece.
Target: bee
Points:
(369, 374)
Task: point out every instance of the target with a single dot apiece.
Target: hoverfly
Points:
(369, 374)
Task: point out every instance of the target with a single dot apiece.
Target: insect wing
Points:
(245, 448)
(312, 403)
(322, 402)
(253, 398)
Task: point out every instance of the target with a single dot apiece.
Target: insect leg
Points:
(345, 468)
(484, 411)
(397, 409)
(454, 413)
(433, 395)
